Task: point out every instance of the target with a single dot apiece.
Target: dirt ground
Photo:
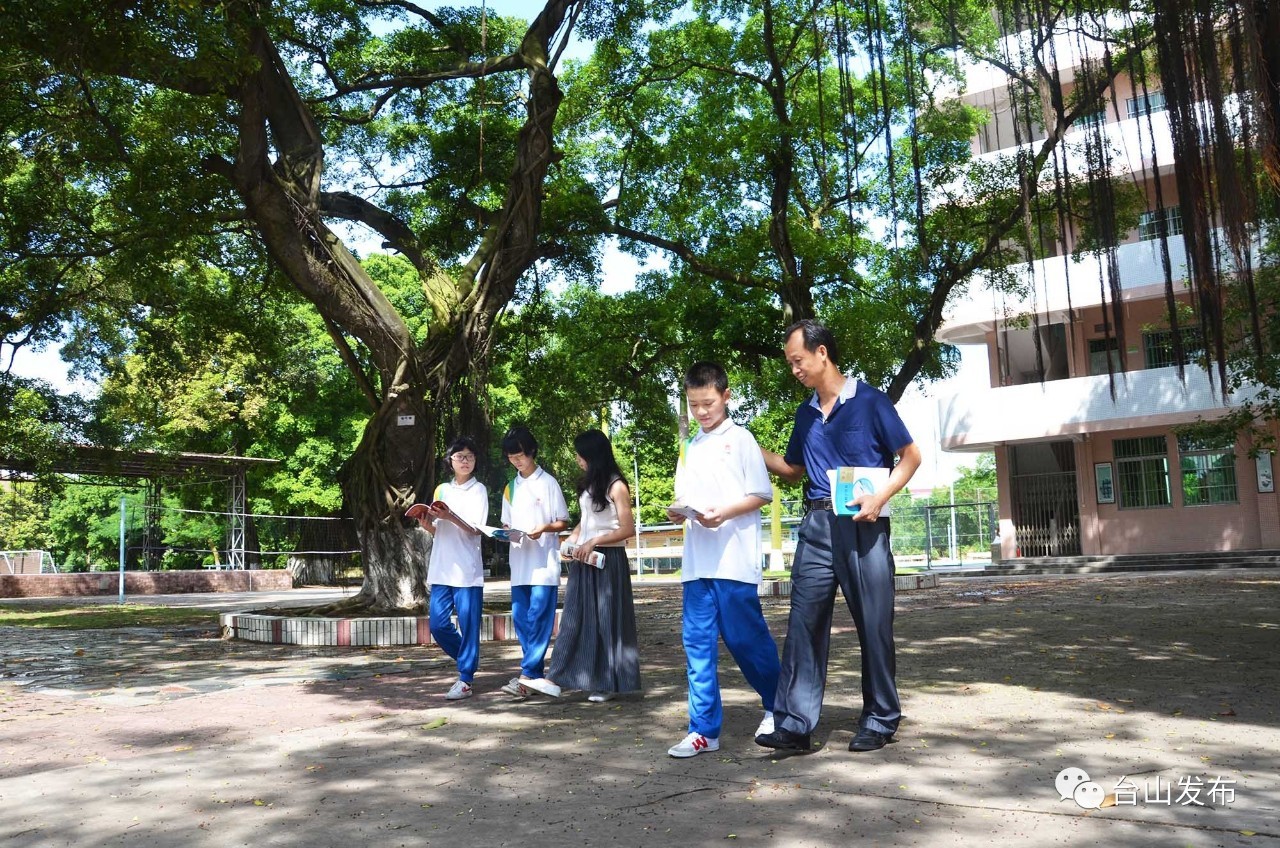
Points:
(169, 736)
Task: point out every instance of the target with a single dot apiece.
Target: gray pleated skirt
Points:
(596, 647)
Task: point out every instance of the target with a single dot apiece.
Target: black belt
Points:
(811, 504)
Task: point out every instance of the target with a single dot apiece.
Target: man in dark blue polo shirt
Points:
(845, 423)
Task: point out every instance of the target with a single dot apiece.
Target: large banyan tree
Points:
(140, 133)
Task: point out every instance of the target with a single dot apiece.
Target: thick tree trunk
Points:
(395, 563)
(390, 471)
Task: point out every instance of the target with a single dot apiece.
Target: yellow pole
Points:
(775, 532)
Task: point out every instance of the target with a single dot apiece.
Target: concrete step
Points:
(1188, 561)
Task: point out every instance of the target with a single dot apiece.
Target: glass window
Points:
(1100, 350)
(1157, 347)
(1208, 472)
(1149, 223)
(1145, 104)
(1092, 119)
(1142, 472)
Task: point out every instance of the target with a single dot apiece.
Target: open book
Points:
(504, 534)
(420, 511)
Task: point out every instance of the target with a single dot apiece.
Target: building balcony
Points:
(978, 420)
(1066, 51)
(1133, 140)
(1141, 271)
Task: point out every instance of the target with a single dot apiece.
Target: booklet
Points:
(597, 557)
(504, 534)
(687, 511)
(849, 483)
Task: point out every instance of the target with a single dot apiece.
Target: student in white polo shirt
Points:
(533, 503)
(455, 572)
(721, 474)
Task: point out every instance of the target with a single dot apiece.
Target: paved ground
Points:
(168, 737)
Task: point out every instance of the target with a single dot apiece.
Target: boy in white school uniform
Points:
(721, 474)
(534, 504)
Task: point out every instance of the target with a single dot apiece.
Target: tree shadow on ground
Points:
(1161, 675)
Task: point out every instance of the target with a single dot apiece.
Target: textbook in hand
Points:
(597, 557)
(687, 511)
(419, 510)
(851, 483)
(442, 510)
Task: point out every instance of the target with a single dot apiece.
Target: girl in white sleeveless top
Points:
(596, 649)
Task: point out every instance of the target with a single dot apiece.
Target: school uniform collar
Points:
(537, 472)
(848, 390)
(464, 486)
(721, 428)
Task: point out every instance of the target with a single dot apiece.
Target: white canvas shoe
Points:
(542, 685)
(693, 745)
(601, 697)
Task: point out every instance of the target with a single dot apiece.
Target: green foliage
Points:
(690, 124)
(24, 507)
(970, 520)
(37, 422)
(84, 526)
(238, 365)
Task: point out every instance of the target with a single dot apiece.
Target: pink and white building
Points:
(1081, 473)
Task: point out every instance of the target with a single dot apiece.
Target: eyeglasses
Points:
(464, 457)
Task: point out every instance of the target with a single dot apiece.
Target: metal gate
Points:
(1046, 514)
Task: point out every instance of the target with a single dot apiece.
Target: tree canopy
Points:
(341, 231)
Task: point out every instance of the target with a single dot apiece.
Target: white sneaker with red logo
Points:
(693, 745)
(459, 690)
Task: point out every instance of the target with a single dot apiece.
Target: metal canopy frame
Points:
(152, 466)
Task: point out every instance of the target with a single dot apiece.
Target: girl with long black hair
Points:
(596, 649)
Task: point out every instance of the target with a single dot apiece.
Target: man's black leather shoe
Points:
(784, 740)
(870, 740)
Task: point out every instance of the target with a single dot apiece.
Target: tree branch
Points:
(693, 260)
(427, 15)
(352, 207)
(353, 364)
(466, 70)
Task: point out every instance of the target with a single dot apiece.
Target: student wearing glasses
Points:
(455, 572)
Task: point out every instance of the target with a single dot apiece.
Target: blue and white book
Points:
(848, 483)
(504, 534)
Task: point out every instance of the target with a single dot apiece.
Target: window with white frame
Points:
(1208, 472)
(1142, 472)
(1149, 223)
(1145, 104)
